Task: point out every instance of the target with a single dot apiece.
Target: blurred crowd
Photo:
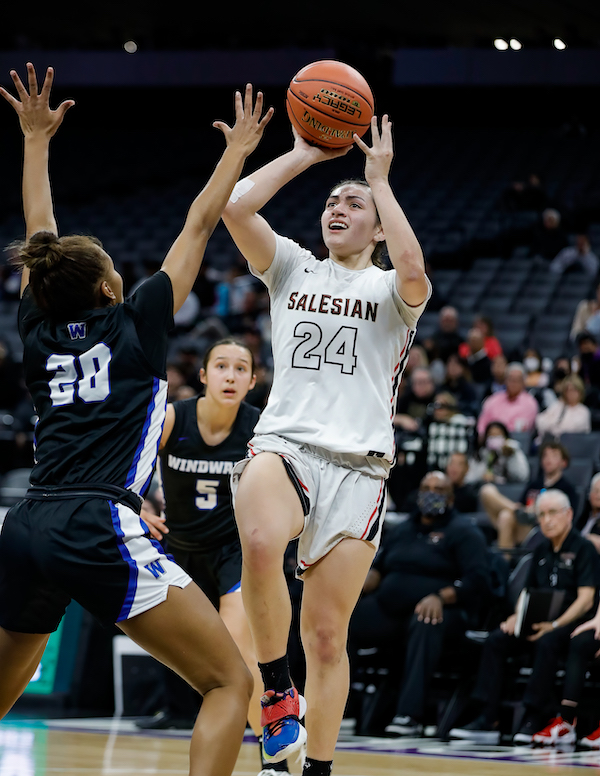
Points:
(497, 465)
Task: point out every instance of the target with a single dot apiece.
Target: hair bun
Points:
(43, 250)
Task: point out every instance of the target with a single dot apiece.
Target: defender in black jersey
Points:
(95, 365)
(202, 439)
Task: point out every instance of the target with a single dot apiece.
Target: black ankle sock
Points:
(280, 766)
(317, 767)
(568, 713)
(276, 674)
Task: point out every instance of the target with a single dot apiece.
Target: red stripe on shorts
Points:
(366, 531)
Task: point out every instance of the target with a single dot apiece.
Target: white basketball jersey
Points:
(340, 343)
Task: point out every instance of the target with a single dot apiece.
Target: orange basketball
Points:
(328, 101)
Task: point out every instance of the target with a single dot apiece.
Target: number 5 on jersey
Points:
(86, 376)
(207, 494)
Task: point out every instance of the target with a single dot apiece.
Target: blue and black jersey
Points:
(98, 383)
(195, 478)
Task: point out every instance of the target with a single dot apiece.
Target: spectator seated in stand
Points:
(514, 407)
(525, 195)
(585, 310)
(588, 360)
(426, 587)
(497, 381)
(514, 520)
(498, 458)
(448, 431)
(535, 377)
(491, 343)
(410, 422)
(548, 237)
(579, 256)
(446, 339)
(565, 561)
(589, 520)
(465, 493)
(550, 393)
(412, 405)
(568, 415)
(460, 384)
(477, 357)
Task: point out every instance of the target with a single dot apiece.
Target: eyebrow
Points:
(347, 196)
(235, 358)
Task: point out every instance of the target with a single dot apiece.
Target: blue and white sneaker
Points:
(283, 735)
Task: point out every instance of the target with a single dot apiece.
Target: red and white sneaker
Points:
(557, 731)
(283, 735)
(592, 741)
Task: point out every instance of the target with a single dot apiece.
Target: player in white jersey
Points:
(342, 329)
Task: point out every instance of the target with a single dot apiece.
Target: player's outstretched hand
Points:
(33, 107)
(249, 122)
(378, 158)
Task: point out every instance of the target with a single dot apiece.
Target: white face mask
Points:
(531, 363)
(494, 443)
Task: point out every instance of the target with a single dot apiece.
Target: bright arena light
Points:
(559, 44)
(130, 46)
(500, 44)
(515, 44)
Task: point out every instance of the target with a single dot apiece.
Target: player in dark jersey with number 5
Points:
(95, 365)
(203, 437)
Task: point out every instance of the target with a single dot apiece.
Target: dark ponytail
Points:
(65, 273)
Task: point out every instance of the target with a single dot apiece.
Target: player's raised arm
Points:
(251, 233)
(185, 256)
(403, 247)
(39, 124)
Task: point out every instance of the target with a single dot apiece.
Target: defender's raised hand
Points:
(33, 107)
(249, 126)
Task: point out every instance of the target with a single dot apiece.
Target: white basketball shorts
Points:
(339, 501)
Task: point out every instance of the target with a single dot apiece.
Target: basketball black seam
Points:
(343, 86)
(326, 115)
(307, 127)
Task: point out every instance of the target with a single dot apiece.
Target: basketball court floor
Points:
(115, 747)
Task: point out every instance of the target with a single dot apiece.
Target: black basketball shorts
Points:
(89, 549)
(216, 572)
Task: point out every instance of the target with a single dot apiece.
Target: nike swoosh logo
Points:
(181, 439)
(310, 270)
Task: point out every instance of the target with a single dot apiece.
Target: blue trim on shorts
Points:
(133, 569)
(132, 471)
(158, 546)
(235, 588)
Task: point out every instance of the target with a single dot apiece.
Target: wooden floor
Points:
(107, 748)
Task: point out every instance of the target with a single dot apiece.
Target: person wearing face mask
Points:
(535, 377)
(425, 588)
(568, 415)
(588, 360)
(498, 459)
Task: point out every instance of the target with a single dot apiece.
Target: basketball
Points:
(327, 101)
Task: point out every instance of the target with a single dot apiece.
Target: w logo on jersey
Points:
(77, 330)
(155, 568)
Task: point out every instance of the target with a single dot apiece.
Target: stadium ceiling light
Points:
(130, 46)
(500, 44)
(559, 44)
(515, 44)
